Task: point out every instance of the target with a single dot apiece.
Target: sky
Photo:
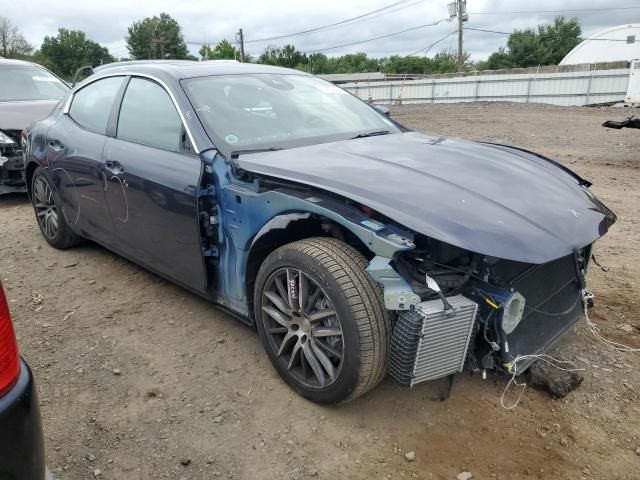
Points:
(213, 20)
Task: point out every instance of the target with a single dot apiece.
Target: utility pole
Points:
(240, 40)
(155, 42)
(462, 17)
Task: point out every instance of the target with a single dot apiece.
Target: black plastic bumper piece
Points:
(21, 439)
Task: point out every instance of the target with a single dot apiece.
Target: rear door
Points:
(75, 146)
(152, 185)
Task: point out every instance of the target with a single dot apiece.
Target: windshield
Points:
(279, 111)
(20, 83)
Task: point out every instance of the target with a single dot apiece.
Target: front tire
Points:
(322, 320)
(51, 220)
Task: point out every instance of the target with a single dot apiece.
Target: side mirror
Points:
(383, 110)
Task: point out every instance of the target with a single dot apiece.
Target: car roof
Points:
(11, 61)
(180, 69)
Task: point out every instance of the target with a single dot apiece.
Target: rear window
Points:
(24, 83)
(91, 106)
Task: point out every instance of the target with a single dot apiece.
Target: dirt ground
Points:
(139, 379)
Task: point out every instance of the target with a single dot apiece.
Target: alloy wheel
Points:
(303, 327)
(46, 210)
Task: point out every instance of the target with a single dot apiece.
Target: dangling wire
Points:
(595, 331)
(554, 362)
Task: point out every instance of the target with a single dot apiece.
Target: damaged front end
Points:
(459, 309)
(11, 162)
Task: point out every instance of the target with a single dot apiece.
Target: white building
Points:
(610, 45)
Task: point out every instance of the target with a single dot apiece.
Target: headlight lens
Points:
(5, 139)
(512, 311)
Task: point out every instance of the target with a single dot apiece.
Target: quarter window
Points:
(148, 116)
(91, 106)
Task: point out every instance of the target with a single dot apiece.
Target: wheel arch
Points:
(291, 227)
(29, 170)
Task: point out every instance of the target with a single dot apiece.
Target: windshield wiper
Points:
(372, 134)
(237, 153)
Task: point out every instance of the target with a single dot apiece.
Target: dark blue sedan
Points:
(353, 244)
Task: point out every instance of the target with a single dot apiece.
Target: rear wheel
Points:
(322, 320)
(51, 221)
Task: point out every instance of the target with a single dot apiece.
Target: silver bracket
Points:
(398, 294)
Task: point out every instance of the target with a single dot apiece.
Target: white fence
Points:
(561, 88)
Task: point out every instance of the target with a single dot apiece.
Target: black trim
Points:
(21, 439)
(112, 123)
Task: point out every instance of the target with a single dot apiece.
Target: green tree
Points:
(287, 56)
(529, 48)
(319, 63)
(222, 51)
(443, 62)
(496, 61)
(12, 42)
(355, 63)
(560, 38)
(156, 37)
(70, 50)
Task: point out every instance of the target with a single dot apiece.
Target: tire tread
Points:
(366, 301)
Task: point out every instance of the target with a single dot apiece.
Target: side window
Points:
(91, 106)
(148, 116)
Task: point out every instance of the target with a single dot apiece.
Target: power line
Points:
(487, 31)
(379, 37)
(556, 11)
(429, 47)
(582, 39)
(311, 30)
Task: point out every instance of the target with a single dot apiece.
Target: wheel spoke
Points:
(326, 331)
(287, 339)
(324, 361)
(303, 327)
(334, 352)
(277, 301)
(313, 363)
(278, 330)
(294, 352)
(320, 315)
(281, 289)
(38, 192)
(42, 213)
(50, 224)
(314, 297)
(277, 316)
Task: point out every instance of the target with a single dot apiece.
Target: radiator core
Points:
(427, 344)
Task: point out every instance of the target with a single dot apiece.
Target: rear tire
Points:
(315, 297)
(49, 214)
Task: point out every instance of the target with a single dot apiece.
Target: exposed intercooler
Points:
(429, 342)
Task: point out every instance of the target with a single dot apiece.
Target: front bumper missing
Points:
(554, 293)
(12, 178)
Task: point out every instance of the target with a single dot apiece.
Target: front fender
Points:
(248, 215)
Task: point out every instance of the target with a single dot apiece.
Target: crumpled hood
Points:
(491, 199)
(18, 115)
